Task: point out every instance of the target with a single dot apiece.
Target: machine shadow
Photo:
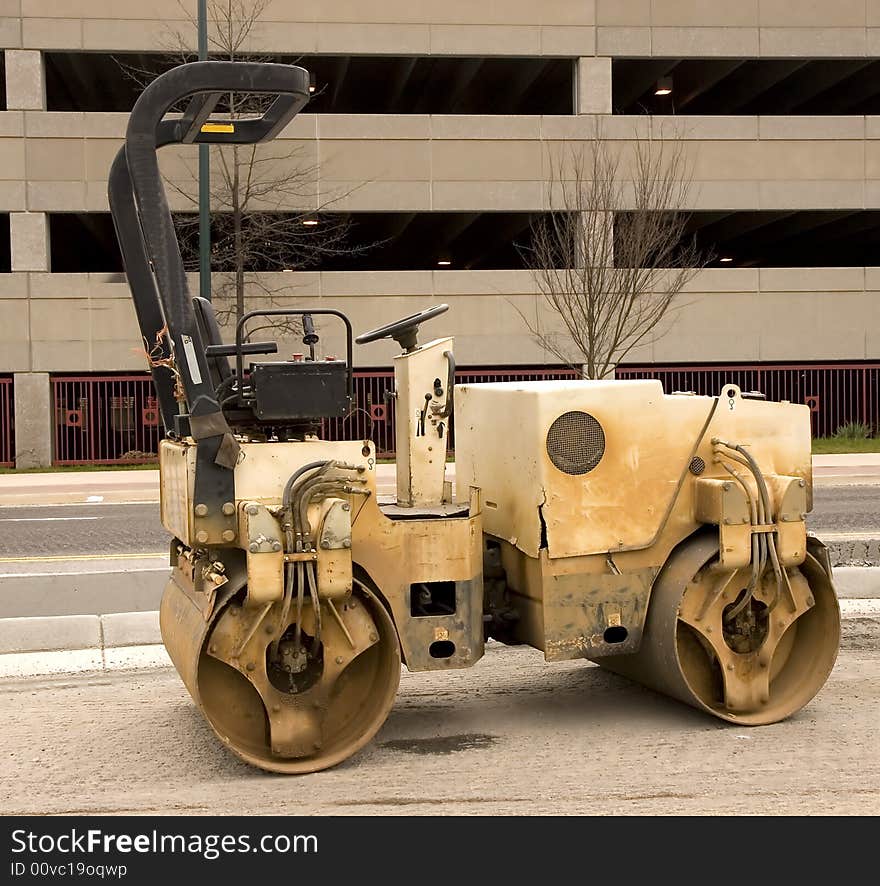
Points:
(595, 697)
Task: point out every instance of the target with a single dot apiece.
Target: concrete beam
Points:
(25, 80)
(33, 420)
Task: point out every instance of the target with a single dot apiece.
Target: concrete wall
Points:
(59, 162)
(466, 163)
(85, 322)
(553, 27)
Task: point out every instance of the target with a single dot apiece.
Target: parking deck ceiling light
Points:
(310, 222)
(312, 83)
(725, 260)
(664, 86)
(444, 262)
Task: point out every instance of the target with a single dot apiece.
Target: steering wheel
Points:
(404, 331)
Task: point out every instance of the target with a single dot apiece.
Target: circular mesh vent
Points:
(697, 465)
(575, 442)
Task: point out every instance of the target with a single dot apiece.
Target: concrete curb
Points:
(83, 593)
(131, 641)
(76, 661)
(66, 632)
(76, 643)
(863, 551)
(857, 582)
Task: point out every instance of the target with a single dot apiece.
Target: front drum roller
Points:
(757, 668)
(286, 719)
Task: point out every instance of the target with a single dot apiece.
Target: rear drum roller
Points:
(288, 705)
(757, 667)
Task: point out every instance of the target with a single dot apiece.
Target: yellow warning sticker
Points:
(218, 127)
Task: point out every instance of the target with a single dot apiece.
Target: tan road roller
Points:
(659, 536)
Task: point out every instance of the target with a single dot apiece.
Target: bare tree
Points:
(612, 256)
(267, 210)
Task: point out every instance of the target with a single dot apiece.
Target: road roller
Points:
(660, 536)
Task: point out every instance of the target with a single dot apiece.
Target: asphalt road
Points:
(81, 529)
(512, 735)
(118, 528)
(853, 509)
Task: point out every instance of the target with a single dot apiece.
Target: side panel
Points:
(397, 554)
(421, 432)
(642, 479)
(176, 461)
(264, 468)
(590, 615)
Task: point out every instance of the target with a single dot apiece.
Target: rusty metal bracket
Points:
(304, 557)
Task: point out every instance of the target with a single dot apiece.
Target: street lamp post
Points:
(204, 176)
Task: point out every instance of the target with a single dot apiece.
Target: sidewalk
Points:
(852, 469)
(109, 487)
(79, 487)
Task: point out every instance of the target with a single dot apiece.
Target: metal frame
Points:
(294, 312)
(836, 393)
(97, 419)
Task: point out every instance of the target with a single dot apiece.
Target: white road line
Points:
(45, 519)
(72, 504)
(80, 572)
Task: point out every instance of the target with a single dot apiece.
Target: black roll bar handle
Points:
(127, 222)
(204, 83)
(147, 305)
(284, 312)
(288, 82)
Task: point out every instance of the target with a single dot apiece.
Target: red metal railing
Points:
(837, 393)
(105, 419)
(115, 419)
(7, 424)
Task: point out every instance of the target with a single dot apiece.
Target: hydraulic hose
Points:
(755, 541)
(300, 510)
(292, 490)
(285, 496)
(767, 544)
(339, 486)
(293, 577)
(316, 604)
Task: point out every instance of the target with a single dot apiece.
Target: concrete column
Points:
(25, 80)
(33, 420)
(593, 86)
(29, 232)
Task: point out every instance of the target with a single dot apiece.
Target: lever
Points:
(251, 347)
(450, 385)
(310, 337)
